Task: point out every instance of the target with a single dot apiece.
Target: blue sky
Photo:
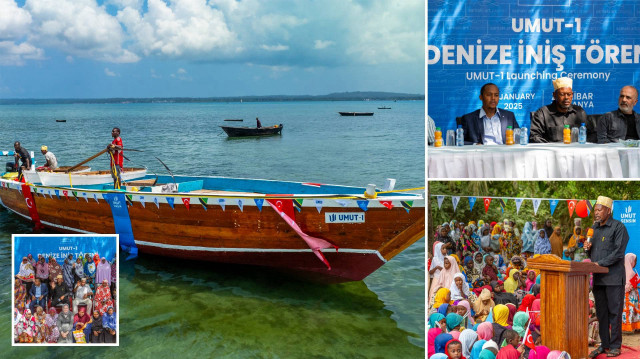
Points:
(200, 48)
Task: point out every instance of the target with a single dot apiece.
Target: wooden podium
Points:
(564, 300)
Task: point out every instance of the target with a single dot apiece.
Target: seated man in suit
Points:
(488, 125)
(623, 123)
(38, 294)
(547, 124)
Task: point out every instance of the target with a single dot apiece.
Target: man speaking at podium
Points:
(606, 247)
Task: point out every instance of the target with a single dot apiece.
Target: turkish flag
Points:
(487, 201)
(572, 205)
(284, 205)
(635, 280)
(186, 201)
(528, 341)
(387, 204)
(31, 204)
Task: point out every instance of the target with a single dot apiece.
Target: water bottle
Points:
(524, 137)
(459, 136)
(582, 138)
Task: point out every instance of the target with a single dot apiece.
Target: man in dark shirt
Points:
(606, 248)
(548, 122)
(61, 294)
(23, 155)
(623, 123)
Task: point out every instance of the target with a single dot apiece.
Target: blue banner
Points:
(522, 46)
(122, 222)
(628, 212)
(552, 205)
(59, 247)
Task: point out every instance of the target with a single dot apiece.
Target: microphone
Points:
(589, 234)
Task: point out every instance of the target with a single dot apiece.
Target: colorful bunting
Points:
(129, 199)
(155, 200)
(440, 199)
(187, 202)
(388, 204)
(572, 206)
(95, 196)
(259, 203)
(84, 194)
(75, 195)
(240, 204)
(297, 203)
(518, 204)
(455, 200)
(142, 201)
(552, 204)
(503, 204)
(341, 202)
(407, 205)
(203, 202)
(590, 204)
(50, 195)
(170, 200)
(472, 201)
(221, 203)
(66, 194)
(363, 205)
(487, 202)
(319, 203)
(536, 204)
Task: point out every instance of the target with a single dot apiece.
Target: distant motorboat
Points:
(252, 131)
(356, 113)
(234, 119)
(61, 120)
(384, 108)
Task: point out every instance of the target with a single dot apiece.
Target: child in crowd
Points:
(454, 350)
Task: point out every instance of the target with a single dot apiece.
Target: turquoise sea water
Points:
(171, 306)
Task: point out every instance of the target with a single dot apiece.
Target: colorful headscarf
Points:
(476, 349)
(467, 338)
(434, 319)
(441, 341)
(453, 320)
(485, 331)
(511, 284)
(456, 294)
(629, 263)
(540, 352)
(520, 321)
(440, 298)
(501, 315)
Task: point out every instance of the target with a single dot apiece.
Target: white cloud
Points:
(322, 44)
(17, 54)
(14, 21)
(182, 71)
(109, 72)
(69, 59)
(278, 47)
(181, 74)
(81, 28)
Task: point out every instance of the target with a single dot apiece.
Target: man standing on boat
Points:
(115, 152)
(258, 124)
(23, 155)
(52, 162)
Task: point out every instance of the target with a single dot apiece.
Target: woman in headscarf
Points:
(78, 270)
(443, 296)
(528, 238)
(485, 331)
(26, 273)
(445, 278)
(51, 327)
(459, 288)
(557, 354)
(540, 352)
(470, 270)
(103, 271)
(542, 245)
(526, 303)
(436, 321)
(20, 295)
(531, 280)
(511, 284)
(468, 240)
(476, 349)
(483, 305)
(437, 325)
(500, 317)
(500, 296)
(89, 269)
(54, 269)
(454, 322)
(441, 341)
(467, 337)
(109, 324)
(511, 245)
(496, 238)
(67, 272)
(478, 261)
(631, 312)
(485, 237)
(556, 242)
(103, 299)
(65, 325)
(40, 317)
(489, 350)
(464, 305)
(490, 270)
(534, 316)
(512, 312)
(26, 327)
(520, 320)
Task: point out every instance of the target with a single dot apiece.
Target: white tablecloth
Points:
(535, 160)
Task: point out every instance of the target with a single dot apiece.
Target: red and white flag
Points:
(528, 339)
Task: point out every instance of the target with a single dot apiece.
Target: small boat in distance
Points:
(61, 120)
(252, 131)
(81, 176)
(234, 119)
(384, 108)
(356, 113)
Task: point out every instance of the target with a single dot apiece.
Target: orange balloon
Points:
(581, 209)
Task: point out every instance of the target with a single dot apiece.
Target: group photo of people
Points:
(484, 300)
(65, 289)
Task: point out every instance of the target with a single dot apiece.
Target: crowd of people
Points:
(72, 302)
(484, 300)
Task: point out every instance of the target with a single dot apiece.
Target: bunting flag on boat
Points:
(518, 204)
(259, 202)
(298, 204)
(319, 204)
(316, 244)
(19, 189)
(221, 203)
(95, 196)
(86, 198)
(203, 202)
(536, 205)
(388, 204)
(155, 200)
(342, 202)
(363, 205)
(503, 204)
(487, 202)
(186, 201)
(455, 200)
(129, 199)
(572, 206)
(283, 205)
(31, 204)
(50, 195)
(440, 200)
(57, 193)
(552, 205)
(122, 222)
(170, 200)
(240, 204)
(407, 205)
(66, 194)
(75, 195)
(472, 201)
(142, 201)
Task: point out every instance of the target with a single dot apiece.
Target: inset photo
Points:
(65, 289)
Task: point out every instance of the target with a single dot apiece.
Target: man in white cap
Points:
(623, 123)
(52, 162)
(548, 122)
(606, 248)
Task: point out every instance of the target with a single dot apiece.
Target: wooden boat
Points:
(234, 119)
(356, 113)
(33, 176)
(240, 221)
(61, 120)
(252, 131)
(384, 108)
(81, 178)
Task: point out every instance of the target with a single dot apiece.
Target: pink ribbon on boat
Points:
(316, 244)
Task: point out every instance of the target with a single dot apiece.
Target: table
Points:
(536, 160)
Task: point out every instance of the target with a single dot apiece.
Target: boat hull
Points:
(356, 113)
(246, 235)
(251, 131)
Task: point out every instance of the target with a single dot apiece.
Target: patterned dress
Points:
(631, 312)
